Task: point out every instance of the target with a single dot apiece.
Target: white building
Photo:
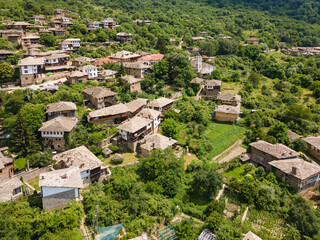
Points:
(75, 42)
(30, 70)
(91, 70)
(59, 187)
(153, 115)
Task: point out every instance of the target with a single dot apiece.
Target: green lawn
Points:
(21, 163)
(223, 136)
(127, 158)
(35, 183)
(237, 173)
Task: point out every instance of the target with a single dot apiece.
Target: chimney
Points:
(258, 139)
(294, 170)
(64, 176)
(42, 177)
(317, 135)
(152, 145)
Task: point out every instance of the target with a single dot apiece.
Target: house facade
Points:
(77, 76)
(6, 168)
(125, 56)
(226, 113)
(229, 99)
(54, 132)
(91, 70)
(10, 189)
(313, 146)
(135, 83)
(123, 37)
(253, 41)
(30, 70)
(161, 104)
(153, 115)
(211, 89)
(137, 69)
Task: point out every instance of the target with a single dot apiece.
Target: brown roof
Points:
(57, 55)
(313, 141)
(157, 141)
(77, 74)
(104, 60)
(107, 72)
(80, 157)
(212, 83)
(7, 187)
(67, 178)
(131, 79)
(152, 57)
(4, 160)
(136, 65)
(293, 136)
(59, 124)
(251, 236)
(110, 111)
(99, 92)
(124, 55)
(160, 102)
(31, 37)
(123, 34)
(83, 59)
(228, 97)
(61, 106)
(149, 113)
(228, 109)
(303, 168)
(134, 124)
(5, 52)
(278, 150)
(30, 61)
(134, 105)
(87, 67)
(197, 80)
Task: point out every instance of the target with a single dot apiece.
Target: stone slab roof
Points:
(228, 109)
(77, 74)
(29, 61)
(131, 80)
(110, 111)
(212, 83)
(87, 67)
(99, 92)
(313, 141)
(31, 37)
(149, 113)
(134, 124)
(304, 169)
(123, 34)
(80, 157)
(251, 236)
(59, 124)
(136, 65)
(228, 97)
(160, 102)
(293, 136)
(7, 187)
(61, 106)
(56, 56)
(157, 141)
(83, 59)
(279, 150)
(134, 105)
(4, 160)
(124, 55)
(197, 80)
(68, 178)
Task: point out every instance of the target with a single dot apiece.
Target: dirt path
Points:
(220, 192)
(244, 215)
(180, 44)
(233, 151)
(182, 215)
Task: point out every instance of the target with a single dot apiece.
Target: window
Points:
(25, 71)
(16, 191)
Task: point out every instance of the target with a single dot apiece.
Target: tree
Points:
(214, 221)
(23, 141)
(34, 115)
(47, 39)
(255, 79)
(280, 132)
(41, 160)
(299, 145)
(6, 72)
(206, 182)
(169, 127)
(121, 71)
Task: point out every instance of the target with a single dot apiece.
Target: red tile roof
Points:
(101, 61)
(152, 57)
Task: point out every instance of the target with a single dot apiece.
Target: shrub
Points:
(114, 148)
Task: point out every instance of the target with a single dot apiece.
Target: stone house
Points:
(6, 168)
(151, 59)
(30, 70)
(134, 130)
(100, 97)
(59, 32)
(18, 25)
(4, 54)
(161, 104)
(137, 69)
(211, 89)
(229, 99)
(109, 23)
(59, 187)
(106, 74)
(125, 56)
(262, 153)
(251, 236)
(77, 62)
(60, 12)
(135, 83)
(91, 70)
(12, 35)
(155, 141)
(10, 189)
(82, 157)
(313, 146)
(253, 41)
(110, 115)
(153, 115)
(136, 106)
(297, 172)
(57, 62)
(65, 109)
(40, 19)
(29, 40)
(77, 76)
(226, 113)
(123, 37)
(55, 130)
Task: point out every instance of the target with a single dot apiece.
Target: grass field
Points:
(127, 158)
(21, 163)
(223, 136)
(237, 173)
(35, 183)
(188, 159)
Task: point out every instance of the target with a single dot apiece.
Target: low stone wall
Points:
(32, 173)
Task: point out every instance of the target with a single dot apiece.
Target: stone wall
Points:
(226, 117)
(6, 173)
(58, 200)
(33, 173)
